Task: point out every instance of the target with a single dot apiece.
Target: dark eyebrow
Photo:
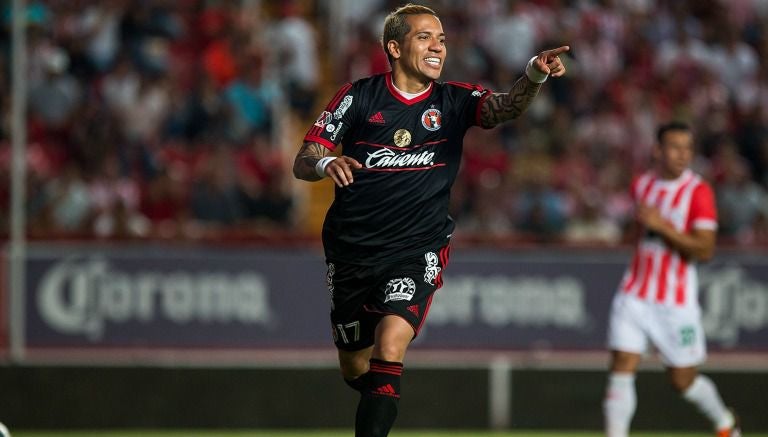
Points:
(430, 33)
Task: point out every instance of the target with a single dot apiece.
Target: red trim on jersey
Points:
(373, 310)
(466, 85)
(378, 145)
(658, 272)
(661, 290)
(416, 146)
(703, 211)
(391, 370)
(320, 140)
(315, 131)
(396, 94)
(646, 190)
(405, 169)
(426, 311)
(633, 276)
(334, 102)
(639, 198)
(479, 111)
(679, 195)
(682, 270)
(444, 254)
(429, 143)
(646, 276)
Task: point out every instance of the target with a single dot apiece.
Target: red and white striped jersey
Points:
(657, 272)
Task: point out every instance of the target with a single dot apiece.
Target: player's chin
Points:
(433, 73)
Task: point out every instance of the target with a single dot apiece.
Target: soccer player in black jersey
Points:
(386, 235)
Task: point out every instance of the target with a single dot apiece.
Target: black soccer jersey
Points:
(410, 150)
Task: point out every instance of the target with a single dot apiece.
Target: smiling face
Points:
(420, 57)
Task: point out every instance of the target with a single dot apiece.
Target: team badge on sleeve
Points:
(432, 119)
(323, 119)
(343, 106)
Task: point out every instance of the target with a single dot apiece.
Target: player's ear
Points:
(393, 48)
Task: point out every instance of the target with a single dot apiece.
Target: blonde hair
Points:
(396, 26)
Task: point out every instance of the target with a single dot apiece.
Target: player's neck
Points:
(409, 85)
(668, 175)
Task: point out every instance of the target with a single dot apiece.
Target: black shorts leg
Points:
(350, 287)
(361, 295)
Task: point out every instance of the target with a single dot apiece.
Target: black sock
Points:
(377, 409)
(358, 383)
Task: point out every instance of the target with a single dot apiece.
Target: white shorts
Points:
(676, 332)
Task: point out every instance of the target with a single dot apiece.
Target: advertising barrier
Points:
(90, 298)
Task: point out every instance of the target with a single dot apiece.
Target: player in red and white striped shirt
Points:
(657, 300)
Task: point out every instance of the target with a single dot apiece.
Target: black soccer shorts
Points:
(362, 295)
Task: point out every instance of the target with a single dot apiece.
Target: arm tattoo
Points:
(304, 165)
(499, 108)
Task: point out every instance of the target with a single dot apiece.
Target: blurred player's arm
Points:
(698, 244)
(313, 163)
(501, 107)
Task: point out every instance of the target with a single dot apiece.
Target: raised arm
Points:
(501, 107)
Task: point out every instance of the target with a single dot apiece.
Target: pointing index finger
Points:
(556, 52)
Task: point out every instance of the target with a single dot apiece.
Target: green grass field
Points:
(263, 433)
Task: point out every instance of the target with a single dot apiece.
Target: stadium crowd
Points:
(177, 119)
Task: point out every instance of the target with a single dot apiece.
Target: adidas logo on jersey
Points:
(377, 118)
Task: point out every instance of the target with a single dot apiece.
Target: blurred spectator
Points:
(164, 202)
(100, 24)
(540, 210)
(364, 55)
(590, 225)
(120, 86)
(518, 25)
(115, 200)
(734, 60)
(146, 29)
(742, 203)
(683, 55)
(55, 98)
(469, 61)
(249, 97)
(199, 114)
(121, 222)
(599, 56)
(262, 184)
(220, 57)
(613, 193)
(68, 202)
(295, 41)
(214, 200)
(485, 206)
(149, 105)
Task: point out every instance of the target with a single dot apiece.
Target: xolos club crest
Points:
(432, 119)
